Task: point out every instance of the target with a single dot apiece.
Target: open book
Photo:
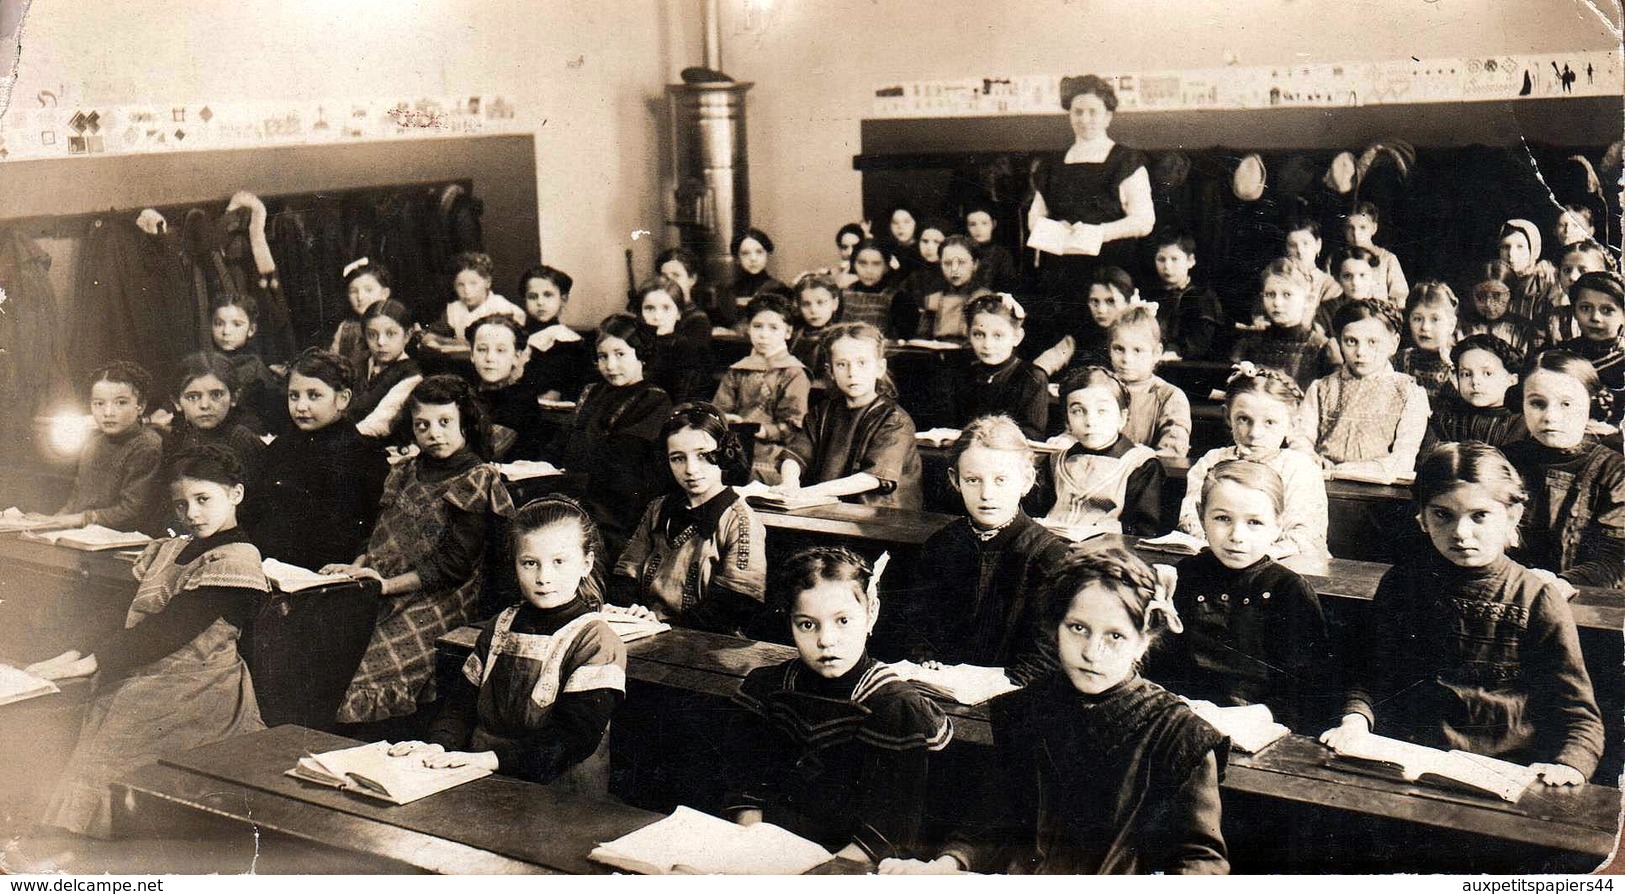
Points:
(14, 519)
(759, 494)
(1452, 769)
(90, 537)
(937, 437)
(967, 684)
(17, 685)
(292, 578)
(631, 628)
(1076, 533)
(519, 470)
(369, 770)
(1251, 728)
(1372, 476)
(1176, 542)
(707, 845)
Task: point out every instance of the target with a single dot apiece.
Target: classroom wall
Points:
(816, 65)
(587, 77)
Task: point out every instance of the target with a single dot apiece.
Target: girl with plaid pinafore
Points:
(424, 556)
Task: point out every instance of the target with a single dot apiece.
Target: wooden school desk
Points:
(1295, 771)
(493, 825)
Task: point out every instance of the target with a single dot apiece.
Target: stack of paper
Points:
(1251, 728)
(90, 537)
(1176, 542)
(966, 684)
(14, 519)
(631, 628)
(18, 685)
(694, 842)
(369, 770)
(1419, 763)
(292, 578)
(519, 470)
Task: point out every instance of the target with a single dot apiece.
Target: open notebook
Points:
(704, 844)
(14, 519)
(1175, 542)
(1451, 769)
(520, 470)
(759, 494)
(90, 537)
(17, 685)
(292, 578)
(369, 770)
(1251, 728)
(967, 684)
(631, 628)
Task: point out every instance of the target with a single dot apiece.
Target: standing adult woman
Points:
(1093, 207)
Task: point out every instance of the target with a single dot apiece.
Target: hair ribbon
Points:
(1162, 600)
(355, 265)
(872, 592)
(1011, 304)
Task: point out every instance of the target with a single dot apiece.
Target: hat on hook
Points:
(1340, 174)
(1249, 179)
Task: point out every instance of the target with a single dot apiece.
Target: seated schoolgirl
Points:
(1574, 525)
(1476, 408)
(1303, 247)
(1103, 481)
(1254, 632)
(680, 351)
(940, 313)
(558, 354)
(846, 239)
(1111, 292)
(1261, 406)
(1492, 300)
(832, 744)
(750, 250)
(206, 398)
(1191, 315)
(999, 381)
(116, 485)
(1289, 342)
(1577, 260)
(1358, 272)
(1098, 770)
(1467, 648)
(508, 387)
(367, 285)
(768, 388)
(234, 321)
(1533, 284)
(698, 558)
(998, 271)
(926, 279)
(387, 373)
(681, 267)
(818, 307)
(869, 298)
(1430, 320)
(318, 493)
(1360, 231)
(975, 595)
(857, 443)
(1366, 418)
(517, 710)
(615, 436)
(1575, 223)
(1598, 301)
(1159, 415)
(171, 679)
(901, 241)
(424, 558)
(474, 300)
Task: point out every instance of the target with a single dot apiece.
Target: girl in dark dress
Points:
(750, 249)
(388, 373)
(558, 355)
(834, 745)
(1099, 770)
(679, 358)
(614, 439)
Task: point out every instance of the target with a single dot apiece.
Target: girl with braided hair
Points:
(1099, 770)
